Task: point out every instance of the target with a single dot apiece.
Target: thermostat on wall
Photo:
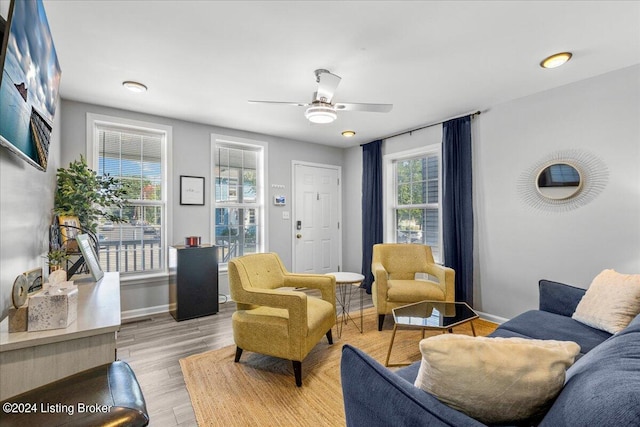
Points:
(279, 200)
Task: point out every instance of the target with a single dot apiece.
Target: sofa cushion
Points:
(559, 298)
(542, 325)
(603, 387)
(611, 302)
(495, 380)
(375, 396)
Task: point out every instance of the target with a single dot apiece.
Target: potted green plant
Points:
(83, 193)
(56, 259)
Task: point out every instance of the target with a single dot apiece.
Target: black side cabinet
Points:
(193, 281)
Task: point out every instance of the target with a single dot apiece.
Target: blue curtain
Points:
(457, 204)
(371, 206)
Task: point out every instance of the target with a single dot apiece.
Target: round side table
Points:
(345, 283)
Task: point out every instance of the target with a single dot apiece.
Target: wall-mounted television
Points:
(29, 82)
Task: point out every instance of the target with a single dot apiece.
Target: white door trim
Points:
(295, 163)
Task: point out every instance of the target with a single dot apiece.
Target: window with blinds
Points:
(238, 199)
(137, 244)
(416, 201)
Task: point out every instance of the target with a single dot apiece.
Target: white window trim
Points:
(95, 120)
(262, 186)
(388, 192)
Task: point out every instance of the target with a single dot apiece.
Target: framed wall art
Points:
(191, 190)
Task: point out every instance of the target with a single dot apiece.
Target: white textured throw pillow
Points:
(611, 302)
(494, 380)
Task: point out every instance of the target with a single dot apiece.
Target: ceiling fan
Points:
(322, 109)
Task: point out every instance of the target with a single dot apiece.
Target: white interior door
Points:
(316, 219)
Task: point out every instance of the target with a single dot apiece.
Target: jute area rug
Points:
(260, 390)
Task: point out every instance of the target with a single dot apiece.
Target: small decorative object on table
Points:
(192, 241)
(18, 313)
(56, 258)
(54, 307)
(90, 256)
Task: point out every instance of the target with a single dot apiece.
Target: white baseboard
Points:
(144, 312)
(491, 317)
(158, 309)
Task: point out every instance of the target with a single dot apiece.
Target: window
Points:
(413, 202)
(135, 153)
(238, 194)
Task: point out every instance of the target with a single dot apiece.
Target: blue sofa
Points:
(602, 388)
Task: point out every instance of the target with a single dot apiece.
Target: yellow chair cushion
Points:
(413, 291)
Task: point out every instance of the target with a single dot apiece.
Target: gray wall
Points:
(192, 156)
(516, 245)
(26, 201)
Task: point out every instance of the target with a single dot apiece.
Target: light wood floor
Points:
(154, 346)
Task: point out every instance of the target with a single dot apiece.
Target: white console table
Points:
(32, 359)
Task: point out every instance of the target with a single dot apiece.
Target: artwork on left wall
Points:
(29, 83)
(191, 190)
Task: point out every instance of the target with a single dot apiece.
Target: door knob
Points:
(298, 235)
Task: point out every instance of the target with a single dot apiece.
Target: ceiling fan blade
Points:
(327, 85)
(373, 108)
(295, 104)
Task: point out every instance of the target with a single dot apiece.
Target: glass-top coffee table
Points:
(430, 315)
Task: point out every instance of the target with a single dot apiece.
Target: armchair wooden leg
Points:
(329, 337)
(297, 371)
(238, 354)
(380, 321)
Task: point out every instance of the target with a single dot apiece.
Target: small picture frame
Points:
(191, 190)
(69, 229)
(90, 257)
(279, 200)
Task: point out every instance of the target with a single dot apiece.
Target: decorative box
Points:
(53, 308)
(18, 319)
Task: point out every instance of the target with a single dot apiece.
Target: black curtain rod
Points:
(477, 113)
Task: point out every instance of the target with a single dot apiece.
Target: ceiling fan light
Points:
(556, 60)
(321, 114)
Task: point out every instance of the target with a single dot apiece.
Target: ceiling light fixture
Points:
(321, 113)
(348, 133)
(134, 86)
(556, 60)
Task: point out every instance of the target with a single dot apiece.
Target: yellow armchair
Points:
(279, 322)
(394, 267)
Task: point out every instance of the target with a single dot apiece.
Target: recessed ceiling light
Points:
(348, 133)
(556, 60)
(134, 86)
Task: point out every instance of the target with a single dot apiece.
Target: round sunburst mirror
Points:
(559, 181)
(563, 181)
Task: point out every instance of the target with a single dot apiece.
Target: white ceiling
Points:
(433, 60)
